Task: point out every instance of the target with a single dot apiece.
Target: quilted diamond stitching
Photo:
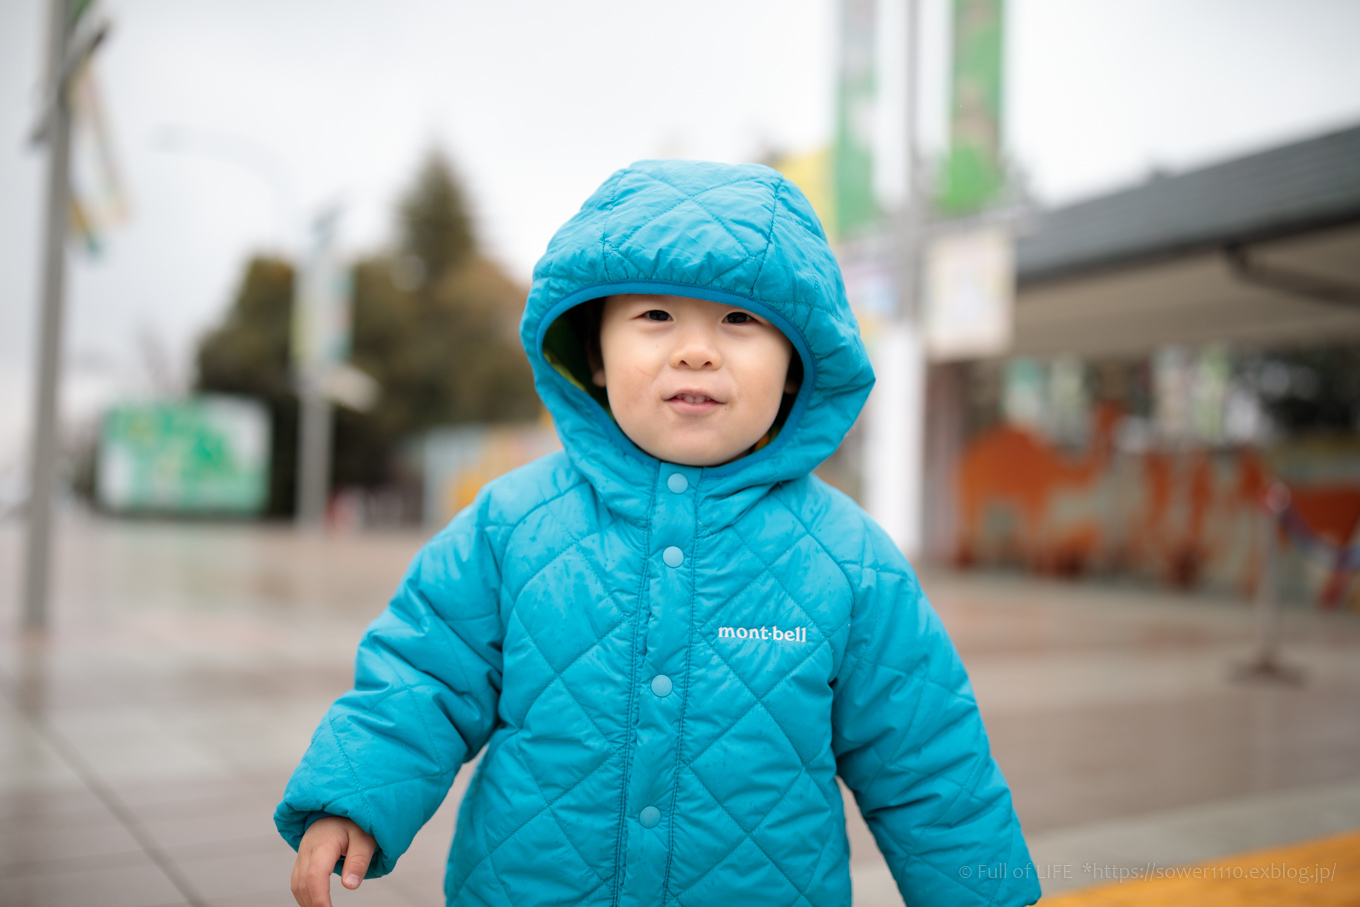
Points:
(491, 852)
(759, 701)
(563, 831)
(924, 680)
(725, 271)
(515, 524)
(576, 543)
(1006, 878)
(746, 835)
(716, 218)
(557, 675)
(765, 567)
(769, 235)
(812, 535)
(686, 197)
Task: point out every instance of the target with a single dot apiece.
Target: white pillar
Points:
(894, 440)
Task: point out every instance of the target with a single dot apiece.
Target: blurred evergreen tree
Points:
(435, 323)
(248, 354)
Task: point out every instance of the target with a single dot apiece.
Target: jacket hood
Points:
(735, 234)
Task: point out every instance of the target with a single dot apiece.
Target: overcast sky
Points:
(281, 107)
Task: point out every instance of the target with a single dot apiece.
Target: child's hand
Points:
(324, 843)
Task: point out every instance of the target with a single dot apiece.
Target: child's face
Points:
(691, 382)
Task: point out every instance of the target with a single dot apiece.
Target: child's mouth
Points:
(693, 403)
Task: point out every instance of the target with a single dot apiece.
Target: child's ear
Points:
(597, 377)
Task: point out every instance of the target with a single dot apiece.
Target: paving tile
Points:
(17, 805)
(135, 742)
(1074, 766)
(230, 875)
(134, 882)
(234, 832)
(36, 840)
(27, 761)
(187, 796)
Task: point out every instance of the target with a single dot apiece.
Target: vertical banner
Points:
(974, 176)
(322, 304)
(855, 208)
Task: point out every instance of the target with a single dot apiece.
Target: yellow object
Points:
(811, 172)
(1320, 873)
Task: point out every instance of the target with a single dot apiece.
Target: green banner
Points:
(854, 205)
(973, 175)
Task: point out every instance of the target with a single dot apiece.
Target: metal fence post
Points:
(1266, 664)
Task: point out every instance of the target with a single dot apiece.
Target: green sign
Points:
(853, 166)
(209, 454)
(973, 175)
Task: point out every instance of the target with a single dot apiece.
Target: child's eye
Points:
(657, 315)
(738, 318)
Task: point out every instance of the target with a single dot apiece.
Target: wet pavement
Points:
(146, 739)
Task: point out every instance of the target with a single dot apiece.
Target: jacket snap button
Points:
(661, 685)
(677, 483)
(673, 556)
(649, 816)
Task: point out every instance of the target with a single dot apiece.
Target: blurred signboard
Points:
(458, 461)
(208, 454)
(973, 173)
(322, 308)
(970, 289)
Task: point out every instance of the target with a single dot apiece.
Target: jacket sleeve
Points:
(427, 679)
(910, 744)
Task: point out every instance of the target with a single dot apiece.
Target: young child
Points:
(669, 636)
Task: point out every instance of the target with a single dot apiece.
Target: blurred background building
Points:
(1178, 345)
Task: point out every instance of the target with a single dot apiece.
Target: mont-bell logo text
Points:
(798, 634)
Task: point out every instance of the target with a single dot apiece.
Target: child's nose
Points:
(696, 349)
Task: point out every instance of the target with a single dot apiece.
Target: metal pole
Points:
(314, 289)
(1266, 664)
(909, 223)
(1267, 601)
(314, 453)
(44, 451)
(906, 374)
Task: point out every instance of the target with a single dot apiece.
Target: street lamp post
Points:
(65, 53)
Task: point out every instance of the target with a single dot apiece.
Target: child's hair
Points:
(585, 320)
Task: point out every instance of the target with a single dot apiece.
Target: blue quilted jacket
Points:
(668, 666)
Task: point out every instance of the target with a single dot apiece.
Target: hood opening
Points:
(572, 342)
